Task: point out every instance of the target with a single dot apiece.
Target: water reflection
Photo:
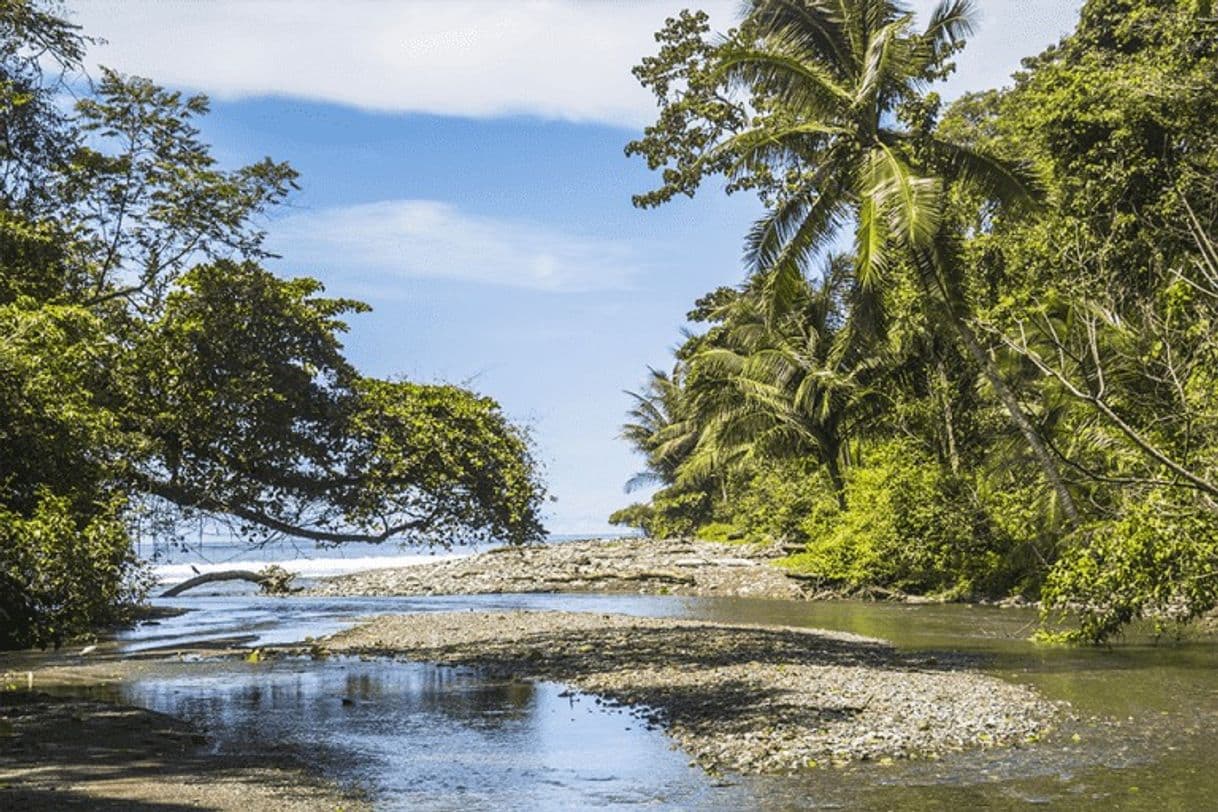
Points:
(422, 736)
(428, 737)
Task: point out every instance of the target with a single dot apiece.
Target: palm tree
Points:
(660, 427)
(775, 387)
(827, 77)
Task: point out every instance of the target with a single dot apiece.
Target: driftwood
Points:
(212, 577)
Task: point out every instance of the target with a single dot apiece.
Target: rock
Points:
(745, 698)
(645, 566)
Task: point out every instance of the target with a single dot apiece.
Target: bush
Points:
(908, 525)
(62, 574)
(638, 516)
(719, 531)
(1157, 561)
(781, 501)
(673, 513)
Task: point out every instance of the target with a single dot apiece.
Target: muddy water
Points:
(419, 736)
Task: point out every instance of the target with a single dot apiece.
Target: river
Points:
(426, 737)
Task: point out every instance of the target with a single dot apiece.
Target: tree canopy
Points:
(152, 369)
(1017, 359)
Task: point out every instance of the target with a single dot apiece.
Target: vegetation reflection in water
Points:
(422, 736)
(426, 736)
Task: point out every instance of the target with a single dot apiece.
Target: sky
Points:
(462, 171)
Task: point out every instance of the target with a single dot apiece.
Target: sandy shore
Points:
(745, 698)
(647, 566)
(68, 752)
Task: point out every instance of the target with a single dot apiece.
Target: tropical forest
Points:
(680, 404)
(975, 354)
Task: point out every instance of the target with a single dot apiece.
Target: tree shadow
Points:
(61, 752)
(38, 800)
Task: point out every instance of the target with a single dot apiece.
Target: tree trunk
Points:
(1039, 450)
(953, 456)
(212, 577)
(835, 476)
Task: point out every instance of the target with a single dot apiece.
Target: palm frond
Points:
(818, 24)
(791, 233)
(951, 22)
(870, 244)
(643, 479)
(783, 69)
(887, 54)
(768, 146)
(1014, 185)
(913, 204)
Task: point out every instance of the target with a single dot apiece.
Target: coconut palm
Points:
(660, 427)
(826, 78)
(782, 387)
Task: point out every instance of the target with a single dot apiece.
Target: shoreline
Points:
(61, 748)
(622, 565)
(741, 698)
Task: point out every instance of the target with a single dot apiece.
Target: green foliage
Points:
(719, 531)
(639, 516)
(270, 424)
(57, 429)
(62, 573)
(672, 513)
(1019, 356)
(149, 365)
(446, 458)
(1157, 561)
(906, 527)
(65, 557)
(783, 501)
(773, 383)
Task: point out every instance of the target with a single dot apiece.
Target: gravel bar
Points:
(750, 699)
(635, 565)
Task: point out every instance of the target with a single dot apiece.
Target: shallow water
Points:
(421, 736)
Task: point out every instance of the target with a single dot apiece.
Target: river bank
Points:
(743, 698)
(61, 751)
(629, 565)
(1138, 732)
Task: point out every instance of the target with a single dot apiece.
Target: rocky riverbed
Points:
(745, 698)
(647, 566)
(62, 752)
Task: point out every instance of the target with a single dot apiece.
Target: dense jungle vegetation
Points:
(975, 353)
(152, 370)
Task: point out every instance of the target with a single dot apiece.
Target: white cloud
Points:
(1007, 31)
(563, 59)
(551, 58)
(393, 240)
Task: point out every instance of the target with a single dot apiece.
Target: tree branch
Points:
(186, 498)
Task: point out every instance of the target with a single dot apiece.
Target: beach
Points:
(618, 565)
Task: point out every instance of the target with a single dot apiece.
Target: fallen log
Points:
(212, 577)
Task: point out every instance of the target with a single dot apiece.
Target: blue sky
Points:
(462, 171)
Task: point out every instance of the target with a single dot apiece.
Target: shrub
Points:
(638, 516)
(1156, 561)
(672, 513)
(719, 531)
(61, 573)
(784, 502)
(908, 525)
